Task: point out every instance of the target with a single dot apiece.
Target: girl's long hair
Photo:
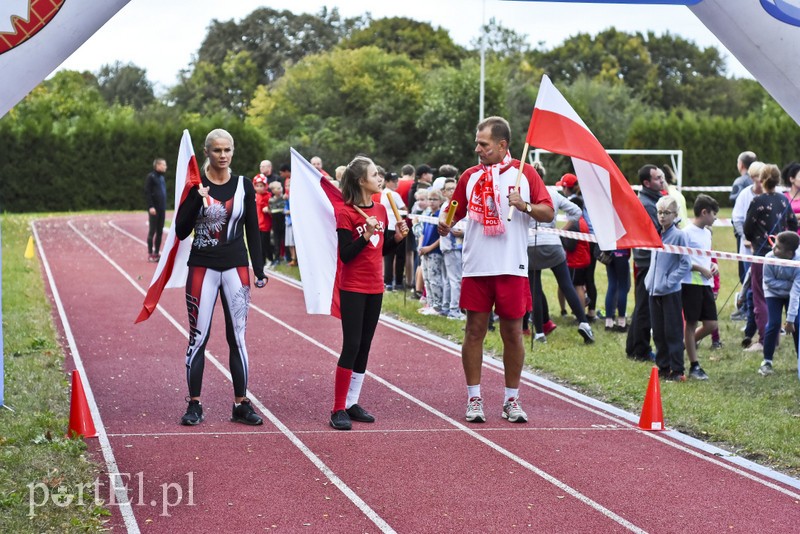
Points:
(351, 179)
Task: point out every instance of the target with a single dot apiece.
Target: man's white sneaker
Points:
(475, 410)
(514, 412)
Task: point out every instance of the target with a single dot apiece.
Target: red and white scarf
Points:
(484, 202)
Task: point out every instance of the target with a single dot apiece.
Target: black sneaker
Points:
(244, 413)
(340, 420)
(357, 413)
(194, 414)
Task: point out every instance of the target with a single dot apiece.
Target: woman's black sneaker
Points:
(357, 413)
(244, 413)
(194, 414)
(340, 420)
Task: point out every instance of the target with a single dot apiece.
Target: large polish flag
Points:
(36, 36)
(618, 217)
(315, 201)
(172, 269)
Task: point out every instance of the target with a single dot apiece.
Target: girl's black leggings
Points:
(360, 313)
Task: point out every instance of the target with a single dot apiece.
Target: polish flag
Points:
(618, 218)
(315, 201)
(172, 269)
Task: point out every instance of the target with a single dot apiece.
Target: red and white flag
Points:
(618, 217)
(172, 269)
(315, 201)
(36, 36)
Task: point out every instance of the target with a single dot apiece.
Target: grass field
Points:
(738, 410)
(33, 448)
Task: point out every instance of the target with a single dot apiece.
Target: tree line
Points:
(397, 89)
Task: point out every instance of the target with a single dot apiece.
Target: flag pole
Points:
(519, 176)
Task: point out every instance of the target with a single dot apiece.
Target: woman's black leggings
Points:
(360, 313)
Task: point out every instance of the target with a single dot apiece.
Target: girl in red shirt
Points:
(363, 241)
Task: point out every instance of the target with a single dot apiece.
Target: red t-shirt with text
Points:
(364, 273)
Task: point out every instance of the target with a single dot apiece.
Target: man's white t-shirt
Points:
(507, 253)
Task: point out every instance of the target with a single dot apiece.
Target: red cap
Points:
(568, 180)
(260, 179)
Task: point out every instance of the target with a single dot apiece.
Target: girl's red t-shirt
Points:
(364, 273)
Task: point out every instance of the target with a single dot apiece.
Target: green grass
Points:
(738, 410)
(32, 444)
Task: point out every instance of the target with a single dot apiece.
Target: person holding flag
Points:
(495, 256)
(220, 211)
(363, 239)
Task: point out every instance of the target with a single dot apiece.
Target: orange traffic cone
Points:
(652, 417)
(80, 418)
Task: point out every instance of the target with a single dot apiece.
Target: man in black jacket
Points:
(637, 345)
(155, 194)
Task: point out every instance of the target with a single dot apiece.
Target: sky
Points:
(161, 36)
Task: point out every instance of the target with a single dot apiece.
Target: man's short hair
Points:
(407, 170)
(448, 171)
(157, 161)
(705, 202)
(644, 173)
(285, 167)
(424, 169)
(747, 158)
(500, 130)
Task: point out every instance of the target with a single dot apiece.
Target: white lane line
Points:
(677, 440)
(494, 446)
(484, 429)
(339, 483)
(120, 492)
(691, 446)
(489, 443)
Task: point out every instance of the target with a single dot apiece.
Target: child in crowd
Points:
(451, 246)
(663, 284)
(697, 294)
(432, 260)
(578, 259)
(420, 207)
(276, 206)
(288, 239)
(264, 216)
(781, 290)
(362, 245)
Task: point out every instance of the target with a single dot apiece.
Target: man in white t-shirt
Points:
(495, 258)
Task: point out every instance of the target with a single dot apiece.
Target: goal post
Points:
(675, 156)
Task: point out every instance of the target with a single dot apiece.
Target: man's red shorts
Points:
(510, 295)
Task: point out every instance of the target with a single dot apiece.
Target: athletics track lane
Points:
(435, 377)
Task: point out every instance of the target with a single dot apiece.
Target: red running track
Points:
(578, 465)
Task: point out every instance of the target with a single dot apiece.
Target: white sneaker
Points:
(766, 368)
(475, 410)
(586, 333)
(428, 310)
(755, 347)
(514, 412)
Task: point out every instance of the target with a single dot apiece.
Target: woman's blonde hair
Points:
(770, 176)
(217, 133)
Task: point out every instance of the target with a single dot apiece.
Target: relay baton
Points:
(451, 213)
(395, 211)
